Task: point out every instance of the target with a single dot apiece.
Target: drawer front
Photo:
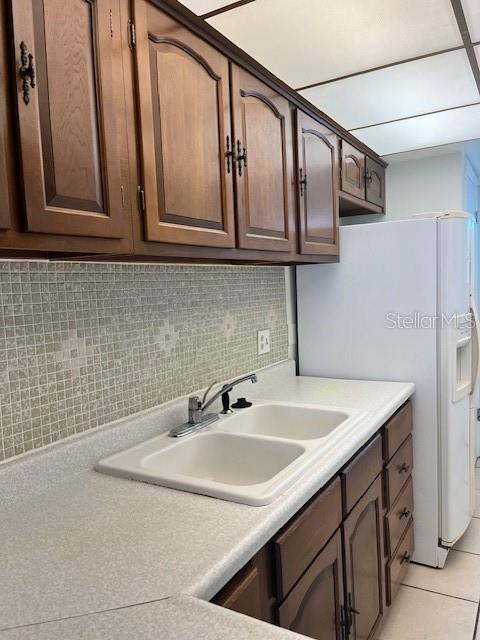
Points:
(360, 473)
(397, 471)
(397, 519)
(242, 594)
(396, 430)
(304, 536)
(397, 567)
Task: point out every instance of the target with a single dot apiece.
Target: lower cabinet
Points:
(326, 573)
(314, 607)
(365, 584)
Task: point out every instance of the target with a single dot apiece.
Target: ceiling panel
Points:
(201, 7)
(308, 41)
(425, 85)
(424, 131)
(471, 9)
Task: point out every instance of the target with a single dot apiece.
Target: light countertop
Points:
(79, 542)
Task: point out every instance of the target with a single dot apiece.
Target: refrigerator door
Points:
(455, 376)
(372, 316)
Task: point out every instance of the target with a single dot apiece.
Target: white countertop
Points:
(84, 542)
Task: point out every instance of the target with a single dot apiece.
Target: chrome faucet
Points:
(197, 418)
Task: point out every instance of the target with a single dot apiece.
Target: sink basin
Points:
(251, 456)
(284, 420)
(223, 458)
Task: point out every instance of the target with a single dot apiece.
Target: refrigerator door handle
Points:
(475, 346)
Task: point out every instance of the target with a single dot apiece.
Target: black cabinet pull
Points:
(302, 182)
(404, 513)
(405, 558)
(403, 468)
(241, 157)
(229, 155)
(368, 177)
(351, 611)
(26, 71)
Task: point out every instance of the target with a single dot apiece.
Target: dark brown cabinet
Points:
(71, 119)
(185, 133)
(263, 152)
(365, 583)
(317, 186)
(362, 182)
(243, 593)
(314, 607)
(375, 182)
(353, 170)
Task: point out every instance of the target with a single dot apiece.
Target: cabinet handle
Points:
(27, 72)
(241, 157)
(405, 558)
(303, 182)
(403, 468)
(351, 611)
(404, 513)
(229, 155)
(368, 177)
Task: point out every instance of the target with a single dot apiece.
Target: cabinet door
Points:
(264, 165)
(71, 116)
(317, 187)
(353, 171)
(314, 606)
(183, 92)
(375, 182)
(6, 184)
(363, 532)
(243, 593)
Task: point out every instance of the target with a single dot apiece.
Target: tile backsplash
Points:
(82, 344)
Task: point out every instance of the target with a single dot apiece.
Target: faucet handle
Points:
(194, 403)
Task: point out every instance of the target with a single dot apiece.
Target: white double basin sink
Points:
(250, 457)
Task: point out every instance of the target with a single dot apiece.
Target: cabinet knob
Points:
(405, 558)
(403, 468)
(302, 182)
(404, 513)
(241, 157)
(27, 72)
(229, 155)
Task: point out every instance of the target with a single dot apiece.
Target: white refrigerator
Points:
(398, 307)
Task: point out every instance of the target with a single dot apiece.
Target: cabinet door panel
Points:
(185, 121)
(72, 122)
(263, 132)
(363, 531)
(318, 203)
(375, 182)
(6, 182)
(353, 171)
(313, 607)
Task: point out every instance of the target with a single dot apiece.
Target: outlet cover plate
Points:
(263, 341)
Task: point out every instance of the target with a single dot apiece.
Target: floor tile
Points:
(470, 541)
(460, 577)
(422, 615)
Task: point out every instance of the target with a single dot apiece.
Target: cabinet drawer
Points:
(242, 594)
(359, 475)
(398, 565)
(397, 471)
(396, 430)
(303, 537)
(397, 519)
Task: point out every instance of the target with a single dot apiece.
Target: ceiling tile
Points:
(425, 85)
(471, 9)
(424, 131)
(200, 7)
(308, 41)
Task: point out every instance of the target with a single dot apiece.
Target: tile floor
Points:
(441, 604)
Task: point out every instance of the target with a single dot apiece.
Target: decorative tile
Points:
(82, 344)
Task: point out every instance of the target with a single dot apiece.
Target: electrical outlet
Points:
(263, 341)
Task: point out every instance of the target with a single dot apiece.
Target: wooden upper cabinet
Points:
(183, 89)
(71, 116)
(263, 165)
(317, 187)
(364, 570)
(5, 127)
(375, 182)
(353, 171)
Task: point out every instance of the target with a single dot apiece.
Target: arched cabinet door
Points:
(263, 165)
(184, 108)
(317, 187)
(353, 171)
(71, 116)
(375, 182)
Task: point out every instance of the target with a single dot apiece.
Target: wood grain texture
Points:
(313, 607)
(317, 186)
(303, 537)
(398, 471)
(397, 429)
(7, 178)
(353, 170)
(242, 594)
(375, 182)
(398, 566)
(359, 474)
(184, 109)
(398, 517)
(265, 193)
(365, 582)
